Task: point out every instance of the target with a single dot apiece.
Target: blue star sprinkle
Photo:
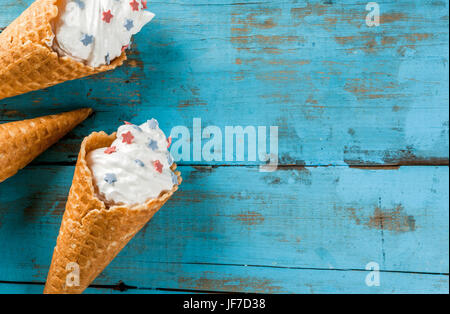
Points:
(80, 4)
(87, 40)
(153, 124)
(107, 59)
(110, 178)
(170, 160)
(129, 24)
(139, 163)
(137, 128)
(153, 145)
(174, 178)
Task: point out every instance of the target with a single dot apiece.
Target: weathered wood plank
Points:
(341, 92)
(263, 280)
(322, 218)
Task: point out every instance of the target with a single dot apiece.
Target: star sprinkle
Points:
(87, 39)
(153, 145)
(110, 178)
(134, 5)
(153, 124)
(127, 123)
(170, 160)
(139, 163)
(158, 166)
(111, 150)
(144, 4)
(80, 4)
(127, 138)
(129, 24)
(107, 59)
(174, 179)
(124, 48)
(107, 16)
(169, 141)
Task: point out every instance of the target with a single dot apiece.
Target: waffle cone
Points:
(91, 233)
(27, 61)
(22, 141)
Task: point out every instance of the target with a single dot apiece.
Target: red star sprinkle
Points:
(124, 48)
(134, 5)
(107, 16)
(110, 150)
(169, 141)
(158, 166)
(144, 4)
(127, 138)
(127, 123)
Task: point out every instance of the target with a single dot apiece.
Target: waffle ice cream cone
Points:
(22, 141)
(91, 233)
(27, 61)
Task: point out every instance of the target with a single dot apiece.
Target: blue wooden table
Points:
(363, 150)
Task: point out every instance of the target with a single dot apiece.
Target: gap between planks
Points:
(122, 287)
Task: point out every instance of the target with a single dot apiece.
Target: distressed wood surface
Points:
(332, 219)
(226, 279)
(341, 92)
(364, 132)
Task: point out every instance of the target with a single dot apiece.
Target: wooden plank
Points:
(341, 92)
(323, 218)
(220, 278)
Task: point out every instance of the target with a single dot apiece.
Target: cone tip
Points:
(86, 112)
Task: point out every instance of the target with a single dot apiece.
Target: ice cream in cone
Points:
(54, 41)
(120, 182)
(22, 141)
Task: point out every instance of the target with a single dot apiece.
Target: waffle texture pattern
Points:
(91, 233)
(27, 61)
(22, 141)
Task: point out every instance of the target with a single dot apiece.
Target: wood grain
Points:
(328, 218)
(341, 92)
(364, 131)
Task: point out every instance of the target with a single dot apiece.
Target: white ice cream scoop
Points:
(95, 32)
(135, 168)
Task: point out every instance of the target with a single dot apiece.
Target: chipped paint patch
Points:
(376, 86)
(285, 75)
(11, 114)
(135, 63)
(408, 157)
(277, 98)
(328, 15)
(392, 219)
(373, 43)
(392, 17)
(260, 19)
(191, 103)
(256, 62)
(237, 284)
(201, 172)
(297, 174)
(249, 218)
(267, 40)
(309, 10)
